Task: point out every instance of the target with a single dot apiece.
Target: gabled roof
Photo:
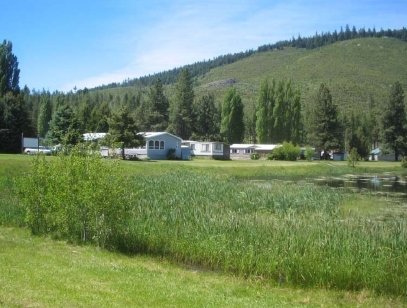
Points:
(151, 135)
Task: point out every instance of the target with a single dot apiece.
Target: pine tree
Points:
(16, 121)
(64, 127)
(181, 113)
(157, 115)
(123, 129)
(324, 130)
(394, 123)
(207, 119)
(232, 125)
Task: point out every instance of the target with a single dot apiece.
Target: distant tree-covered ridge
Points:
(318, 40)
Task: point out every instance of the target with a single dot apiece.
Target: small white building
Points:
(243, 151)
(209, 149)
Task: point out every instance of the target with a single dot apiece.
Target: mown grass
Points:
(40, 272)
(286, 234)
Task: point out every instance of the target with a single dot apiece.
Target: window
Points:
(234, 151)
(156, 145)
(248, 151)
(218, 147)
(205, 147)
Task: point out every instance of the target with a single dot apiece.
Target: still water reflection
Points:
(386, 183)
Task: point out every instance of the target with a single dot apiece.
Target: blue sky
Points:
(61, 44)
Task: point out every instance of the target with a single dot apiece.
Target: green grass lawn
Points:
(40, 272)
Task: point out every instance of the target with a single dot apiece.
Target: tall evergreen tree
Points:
(394, 122)
(64, 127)
(207, 119)
(181, 113)
(324, 130)
(157, 115)
(9, 72)
(123, 129)
(15, 121)
(232, 125)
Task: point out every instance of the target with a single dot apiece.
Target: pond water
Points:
(381, 184)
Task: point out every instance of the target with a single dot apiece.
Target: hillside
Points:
(358, 72)
(354, 70)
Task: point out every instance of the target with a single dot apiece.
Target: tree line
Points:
(279, 116)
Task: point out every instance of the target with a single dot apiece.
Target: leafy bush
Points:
(353, 157)
(404, 162)
(286, 152)
(309, 153)
(255, 156)
(78, 196)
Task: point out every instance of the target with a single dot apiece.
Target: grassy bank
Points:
(287, 234)
(39, 272)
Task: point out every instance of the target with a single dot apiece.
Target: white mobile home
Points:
(209, 149)
(243, 151)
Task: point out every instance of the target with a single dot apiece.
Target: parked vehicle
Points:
(39, 150)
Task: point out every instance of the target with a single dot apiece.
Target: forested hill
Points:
(316, 41)
(358, 72)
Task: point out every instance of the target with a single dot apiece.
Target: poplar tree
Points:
(264, 113)
(45, 115)
(232, 125)
(9, 72)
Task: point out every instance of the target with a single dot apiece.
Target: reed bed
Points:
(289, 233)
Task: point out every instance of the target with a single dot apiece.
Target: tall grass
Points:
(288, 233)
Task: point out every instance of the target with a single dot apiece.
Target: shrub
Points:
(79, 197)
(309, 153)
(353, 157)
(255, 156)
(171, 154)
(286, 152)
(404, 162)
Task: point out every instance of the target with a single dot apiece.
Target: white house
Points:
(210, 149)
(243, 151)
(157, 146)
